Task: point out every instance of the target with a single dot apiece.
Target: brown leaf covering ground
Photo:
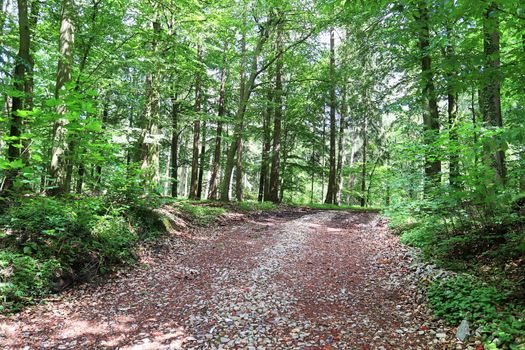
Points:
(290, 280)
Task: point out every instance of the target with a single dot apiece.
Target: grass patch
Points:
(323, 206)
(254, 206)
(199, 213)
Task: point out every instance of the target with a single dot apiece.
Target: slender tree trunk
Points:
(23, 59)
(58, 166)
(214, 181)
(492, 82)
(202, 161)
(98, 167)
(332, 186)
(341, 146)
(232, 157)
(239, 172)
(29, 86)
(452, 110)
(522, 154)
(267, 145)
(273, 194)
(244, 96)
(174, 150)
(196, 138)
(149, 152)
(363, 166)
(431, 115)
(323, 157)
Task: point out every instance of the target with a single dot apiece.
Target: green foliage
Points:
(23, 277)
(51, 243)
(464, 297)
(201, 215)
(255, 206)
(324, 206)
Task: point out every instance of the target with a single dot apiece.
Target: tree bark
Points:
(196, 138)
(273, 193)
(202, 161)
(214, 180)
(58, 166)
(492, 84)
(23, 59)
(246, 90)
(331, 190)
(148, 155)
(363, 166)
(267, 144)
(431, 115)
(174, 150)
(341, 146)
(452, 109)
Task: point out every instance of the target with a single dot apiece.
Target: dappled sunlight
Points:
(79, 328)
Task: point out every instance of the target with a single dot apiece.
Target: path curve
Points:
(295, 280)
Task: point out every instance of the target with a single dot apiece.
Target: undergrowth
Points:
(200, 214)
(48, 244)
(323, 206)
(486, 253)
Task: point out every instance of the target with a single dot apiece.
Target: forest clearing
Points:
(262, 174)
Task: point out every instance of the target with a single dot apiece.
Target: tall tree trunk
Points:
(452, 111)
(58, 164)
(174, 150)
(149, 152)
(23, 59)
(331, 191)
(431, 115)
(267, 144)
(363, 166)
(98, 167)
(351, 179)
(246, 90)
(273, 193)
(239, 173)
(196, 138)
(341, 146)
(29, 85)
(202, 161)
(522, 153)
(491, 84)
(214, 180)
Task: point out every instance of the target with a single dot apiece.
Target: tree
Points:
(58, 166)
(23, 88)
(491, 95)
(431, 114)
(331, 192)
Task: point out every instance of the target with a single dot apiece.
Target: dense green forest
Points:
(111, 109)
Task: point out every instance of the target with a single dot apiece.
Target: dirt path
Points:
(316, 280)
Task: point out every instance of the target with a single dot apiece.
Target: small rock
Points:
(463, 330)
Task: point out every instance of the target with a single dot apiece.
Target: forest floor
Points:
(298, 279)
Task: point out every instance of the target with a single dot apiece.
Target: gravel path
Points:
(295, 280)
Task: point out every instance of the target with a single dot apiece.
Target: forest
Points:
(120, 118)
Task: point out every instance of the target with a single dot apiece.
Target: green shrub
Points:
(200, 214)
(465, 297)
(113, 239)
(49, 242)
(255, 206)
(23, 277)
